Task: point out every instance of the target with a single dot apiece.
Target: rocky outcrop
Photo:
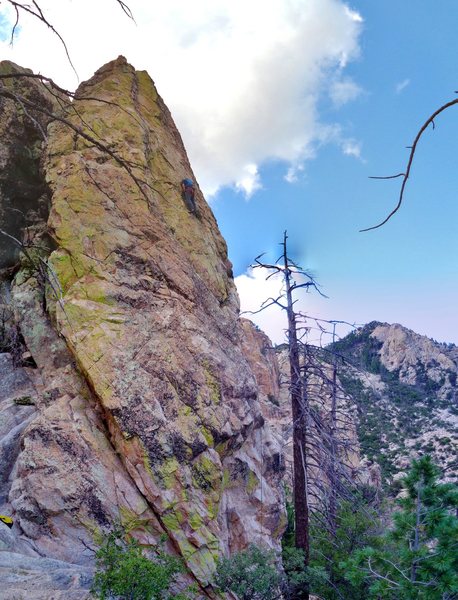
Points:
(68, 474)
(271, 369)
(147, 410)
(263, 359)
(26, 578)
(417, 358)
(17, 409)
(24, 572)
(404, 385)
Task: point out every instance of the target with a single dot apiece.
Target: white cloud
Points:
(355, 16)
(343, 91)
(249, 180)
(401, 86)
(351, 147)
(242, 79)
(293, 173)
(254, 289)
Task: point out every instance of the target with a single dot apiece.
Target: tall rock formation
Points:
(146, 410)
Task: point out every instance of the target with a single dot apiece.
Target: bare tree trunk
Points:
(333, 457)
(299, 429)
(315, 442)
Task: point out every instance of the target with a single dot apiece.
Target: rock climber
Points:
(188, 193)
(7, 520)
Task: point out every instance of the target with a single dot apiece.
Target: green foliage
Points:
(251, 574)
(359, 348)
(357, 525)
(293, 564)
(288, 538)
(125, 573)
(418, 559)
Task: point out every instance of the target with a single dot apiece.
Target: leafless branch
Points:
(78, 130)
(35, 10)
(405, 176)
(126, 9)
(29, 116)
(388, 176)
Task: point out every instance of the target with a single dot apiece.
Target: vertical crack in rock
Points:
(61, 480)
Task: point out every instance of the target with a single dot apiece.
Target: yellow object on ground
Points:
(7, 520)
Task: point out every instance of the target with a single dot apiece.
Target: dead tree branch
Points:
(405, 176)
(35, 10)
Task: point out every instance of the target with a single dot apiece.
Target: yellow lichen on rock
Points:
(141, 291)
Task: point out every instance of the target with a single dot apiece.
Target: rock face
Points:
(271, 368)
(26, 578)
(404, 385)
(263, 359)
(147, 410)
(17, 408)
(417, 358)
(24, 200)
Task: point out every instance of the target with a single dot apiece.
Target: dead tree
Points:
(291, 273)
(321, 469)
(299, 412)
(332, 499)
(329, 441)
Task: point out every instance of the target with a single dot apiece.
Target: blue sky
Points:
(406, 271)
(334, 91)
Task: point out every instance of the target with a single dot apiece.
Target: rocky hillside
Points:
(397, 398)
(404, 386)
(129, 397)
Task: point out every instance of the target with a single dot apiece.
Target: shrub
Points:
(251, 574)
(125, 573)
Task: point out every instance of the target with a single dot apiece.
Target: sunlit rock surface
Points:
(147, 410)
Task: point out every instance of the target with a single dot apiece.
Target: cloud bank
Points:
(254, 289)
(242, 79)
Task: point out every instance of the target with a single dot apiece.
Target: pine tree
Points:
(419, 559)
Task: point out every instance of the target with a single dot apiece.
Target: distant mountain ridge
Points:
(404, 387)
